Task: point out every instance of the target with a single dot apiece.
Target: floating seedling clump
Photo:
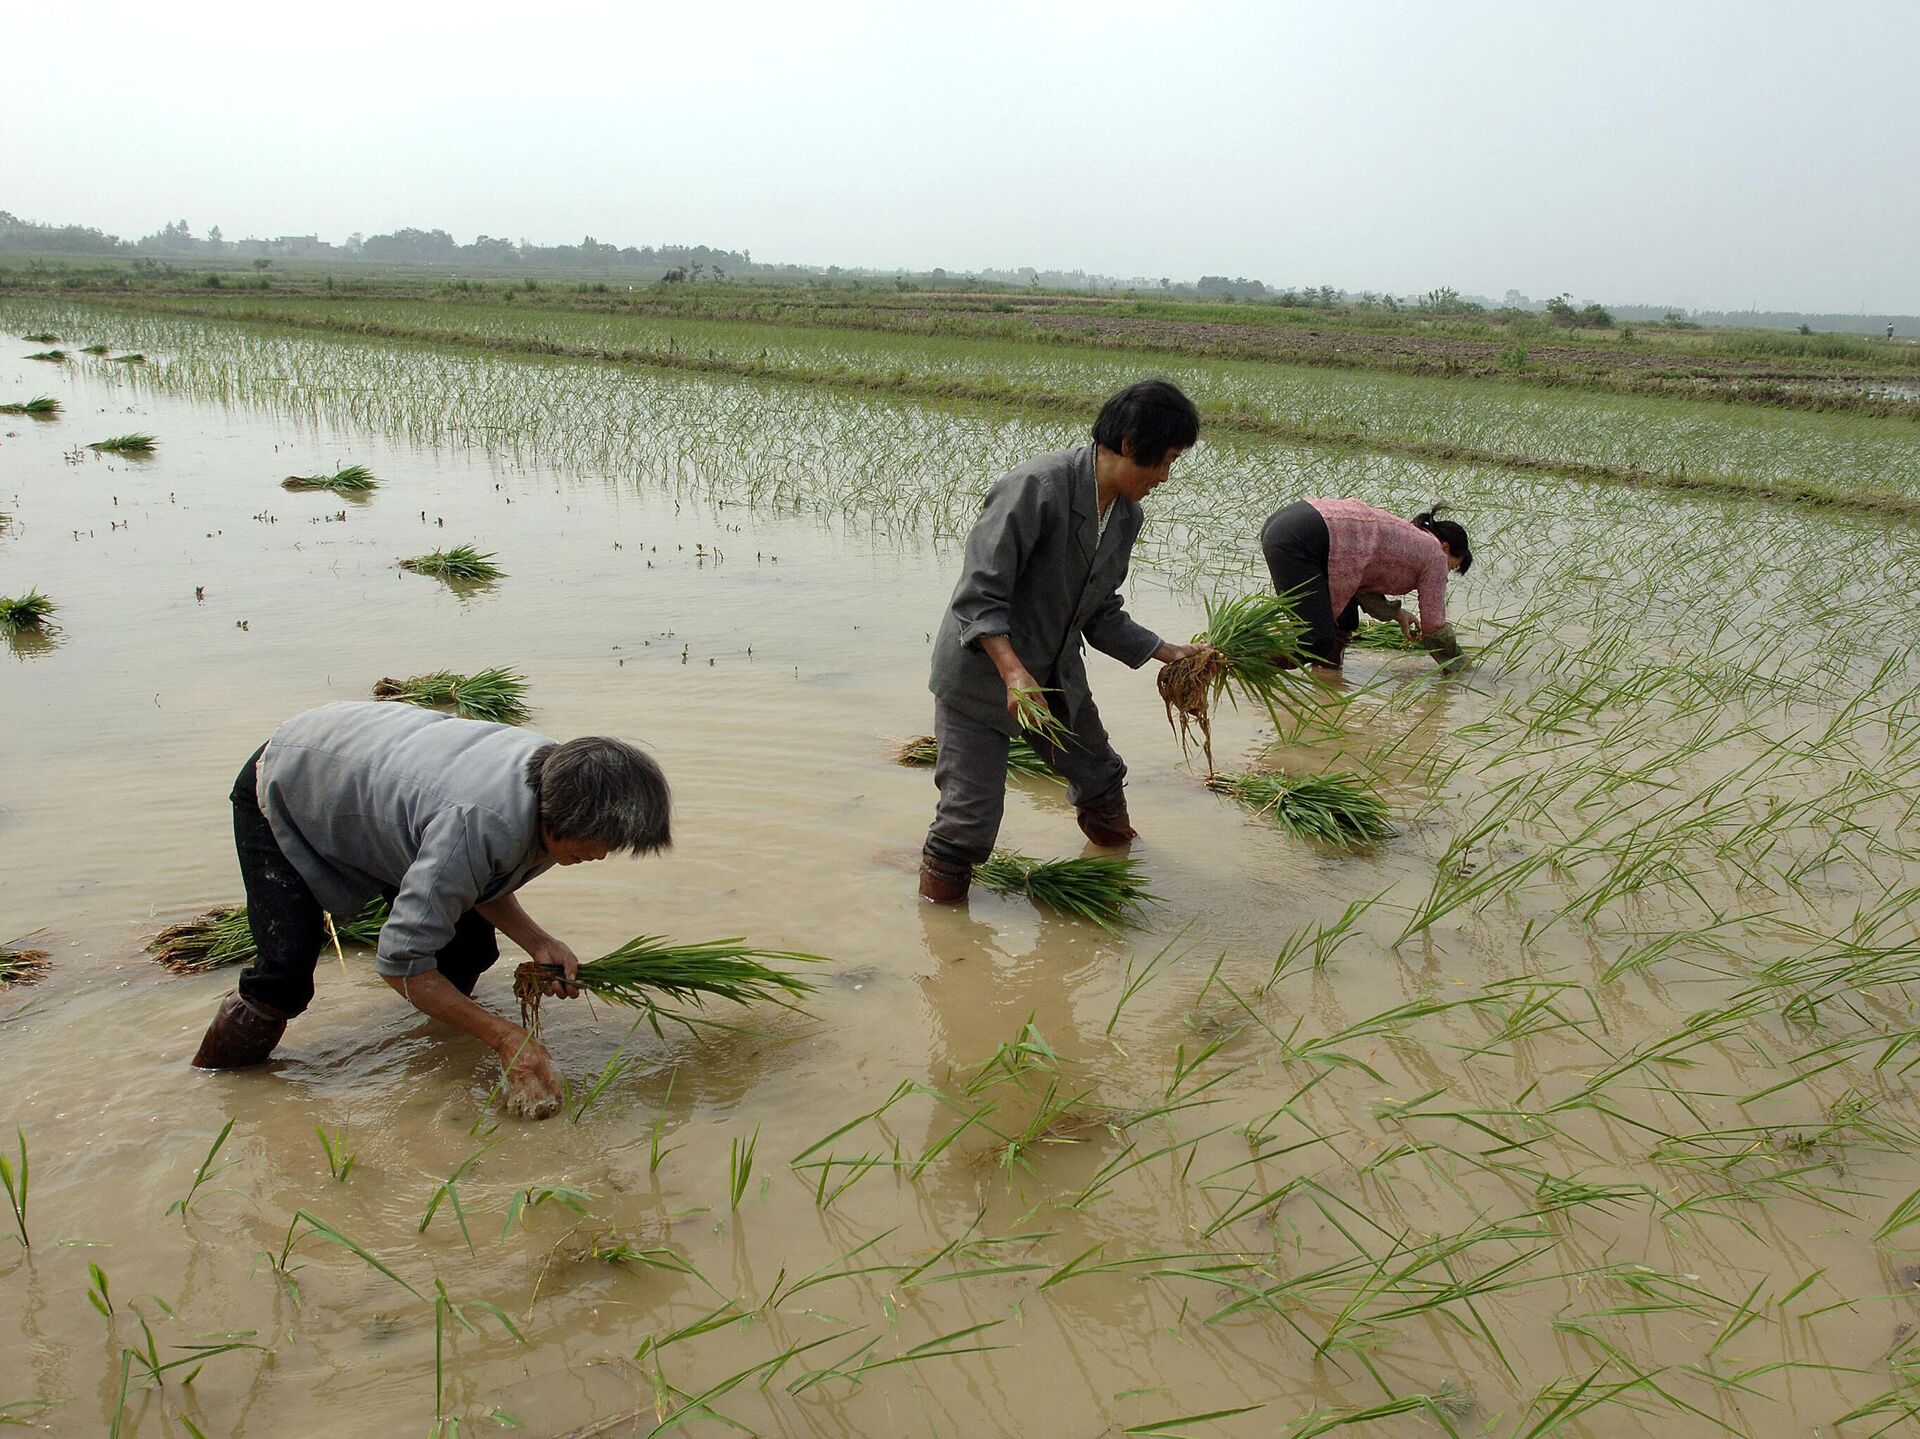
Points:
(30, 611)
(22, 966)
(135, 444)
(94, 349)
(42, 337)
(1106, 890)
(1334, 808)
(41, 407)
(648, 968)
(1245, 651)
(1022, 758)
(462, 562)
(353, 480)
(136, 358)
(54, 356)
(498, 695)
(222, 937)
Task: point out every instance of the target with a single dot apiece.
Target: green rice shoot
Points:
(30, 611)
(1022, 757)
(53, 356)
(353, 480)
(96, 348)
(42, 337)
(1109, 891)
(1383, 635)
(1335, 808)
(40, 406)
(1245, 652)
(1036, 717)
(22, 966)
(136, 358)
(221, 938)
(496, 695)
(647, 969)
(462, 562)
(134, 444)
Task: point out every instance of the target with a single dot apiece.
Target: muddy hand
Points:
(558, 954)
(530, 1089)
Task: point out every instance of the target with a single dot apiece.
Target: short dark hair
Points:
(603, 790)
(1151, 413)
(1450, 534)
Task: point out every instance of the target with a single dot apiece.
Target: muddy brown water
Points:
(769, 664)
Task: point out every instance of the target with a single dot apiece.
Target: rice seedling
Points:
(41, 407)
(97, 1293)
(41, 337)
(1383, 635)
(133, 444)
(23, 966)
(221, 938)
(30, 611)
(1036, 717)
(96, 348)
(205, 1172)
(1334, 808)
(14, 1180)
(1109, 891)
(495, 695)
(51, 356)
(740, 1166)
(649, 966)
(135, 358)
(1245, 651)
(353, 480)
(462, 562)
(1022, 758)
(340, 1159)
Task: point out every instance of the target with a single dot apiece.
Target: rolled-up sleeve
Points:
(1433, 593)
(447, 876)
(997, 547)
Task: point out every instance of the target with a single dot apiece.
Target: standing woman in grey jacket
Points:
(1042, 574)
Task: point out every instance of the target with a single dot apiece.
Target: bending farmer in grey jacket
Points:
(445, 817)
(1042, 573)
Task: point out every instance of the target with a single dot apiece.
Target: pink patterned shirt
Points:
(1371, 552)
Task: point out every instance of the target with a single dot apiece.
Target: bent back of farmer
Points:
(445, 817)
(1041, 577)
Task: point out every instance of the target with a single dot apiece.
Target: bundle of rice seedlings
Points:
(23, 966)
(1383, 635)
(54, 355)
(462, 562)
(221, 938)
(44, 337)
(1106, 890)
(94, 349)
(135, 444)
(1245, 651)
(25, 612)
(136, 358)
(1036, 717)
(498, 695)
(647, 968)
(1022, 758)
(40, 407)
(353, 480)
(1334, 808)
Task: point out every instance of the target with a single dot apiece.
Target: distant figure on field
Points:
(447, 818)
(1338, 557)
(1889, 329)
(1042, 574)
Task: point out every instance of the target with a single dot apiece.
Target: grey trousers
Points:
(971, 772)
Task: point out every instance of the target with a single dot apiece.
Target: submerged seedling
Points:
(462, 562)
(353, 480)
(1109, 891)
(134, 444)
(14, 1180)
(496, 695)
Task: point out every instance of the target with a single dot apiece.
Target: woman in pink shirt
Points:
(1337, 557)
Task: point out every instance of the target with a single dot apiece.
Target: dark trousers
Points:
(1294, 541)
(289, 927)
(971, 771)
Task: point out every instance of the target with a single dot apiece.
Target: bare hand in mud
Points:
(530, 1089)
(1407, 630)
(559, 955)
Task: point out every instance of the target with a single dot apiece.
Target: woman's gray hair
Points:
(603, 790)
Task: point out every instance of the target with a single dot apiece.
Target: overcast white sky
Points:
(1706, 154)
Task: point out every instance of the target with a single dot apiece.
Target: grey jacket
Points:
(364, 797)
(1032, 572)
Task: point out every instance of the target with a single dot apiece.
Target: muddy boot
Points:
(1108, 828)
(243, 1032)
(944, 881)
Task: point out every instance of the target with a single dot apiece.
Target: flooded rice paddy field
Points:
(1582, 1106)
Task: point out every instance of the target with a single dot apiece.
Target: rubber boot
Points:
(1109, 828)
(243, 1033)
(944, 881)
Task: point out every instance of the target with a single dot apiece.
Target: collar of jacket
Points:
(1086, 507)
